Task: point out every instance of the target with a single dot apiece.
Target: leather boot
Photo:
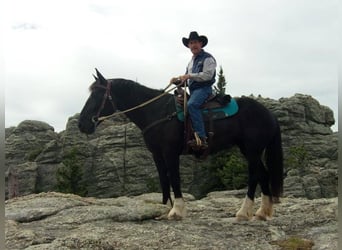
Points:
(204, 144)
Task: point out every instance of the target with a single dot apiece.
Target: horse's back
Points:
(257, 123)
(252, 110)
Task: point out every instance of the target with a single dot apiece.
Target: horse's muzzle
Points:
(87, 127)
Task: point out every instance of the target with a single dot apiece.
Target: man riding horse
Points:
(199, 76)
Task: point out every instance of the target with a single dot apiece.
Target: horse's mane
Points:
(135, 86)
(128, 85)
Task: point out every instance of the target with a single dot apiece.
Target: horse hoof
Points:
(174, 217)
(162, 217)
(242, 218)
(260, 217)
(266, 209)
(178, 211)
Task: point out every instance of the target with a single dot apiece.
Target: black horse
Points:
(253, 129)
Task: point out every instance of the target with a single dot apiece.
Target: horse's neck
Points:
(131, 96)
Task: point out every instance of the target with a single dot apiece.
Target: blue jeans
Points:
(197, 98)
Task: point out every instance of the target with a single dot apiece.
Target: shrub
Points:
(33, 154)
(298, 157)
(70, 175)
(152, 185)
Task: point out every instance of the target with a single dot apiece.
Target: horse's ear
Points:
(100, 76)
(95, 77)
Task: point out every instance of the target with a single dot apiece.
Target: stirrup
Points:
(198, 142)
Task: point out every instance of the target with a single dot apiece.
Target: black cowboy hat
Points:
(194, 36)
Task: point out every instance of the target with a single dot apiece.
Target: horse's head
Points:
(99, 103)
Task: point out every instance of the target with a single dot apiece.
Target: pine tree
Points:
(220, 87)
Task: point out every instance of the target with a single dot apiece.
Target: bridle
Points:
(107, 95)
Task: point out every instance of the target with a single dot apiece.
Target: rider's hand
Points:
(175, 80)
(183, 78)
(180, 79)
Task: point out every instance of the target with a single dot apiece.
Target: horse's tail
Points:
(274, 162)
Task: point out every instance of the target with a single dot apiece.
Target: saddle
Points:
(213, 101)
(217, 106)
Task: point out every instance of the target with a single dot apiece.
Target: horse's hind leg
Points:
(266, 207)
(246, 210)
(256, 174)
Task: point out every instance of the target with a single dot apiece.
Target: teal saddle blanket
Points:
(215, 113)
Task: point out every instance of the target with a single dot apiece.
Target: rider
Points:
(200, 76)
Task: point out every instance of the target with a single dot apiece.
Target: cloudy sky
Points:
(267, 47)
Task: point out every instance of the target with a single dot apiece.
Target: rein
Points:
(107, 94)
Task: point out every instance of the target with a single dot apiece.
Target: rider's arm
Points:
(209, 66)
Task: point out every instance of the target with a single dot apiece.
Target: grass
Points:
(294, 243)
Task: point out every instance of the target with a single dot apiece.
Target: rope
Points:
(185, 103)
(167, 118)
(142, 104)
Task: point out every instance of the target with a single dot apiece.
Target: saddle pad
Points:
(216, 113)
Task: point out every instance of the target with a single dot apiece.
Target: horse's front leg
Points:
(178, 210)
(163, 177)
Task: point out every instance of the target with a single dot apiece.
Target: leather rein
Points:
(107, 95)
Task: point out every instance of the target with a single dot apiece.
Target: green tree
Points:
(70, 175)
(220, 87)
(226, 169)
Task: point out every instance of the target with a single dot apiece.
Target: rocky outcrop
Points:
(22, 146)
(25, 142)
(306, 134)
(66, 221)
(301, 114)
(115, 162)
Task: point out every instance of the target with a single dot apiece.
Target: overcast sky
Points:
(267, 47)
